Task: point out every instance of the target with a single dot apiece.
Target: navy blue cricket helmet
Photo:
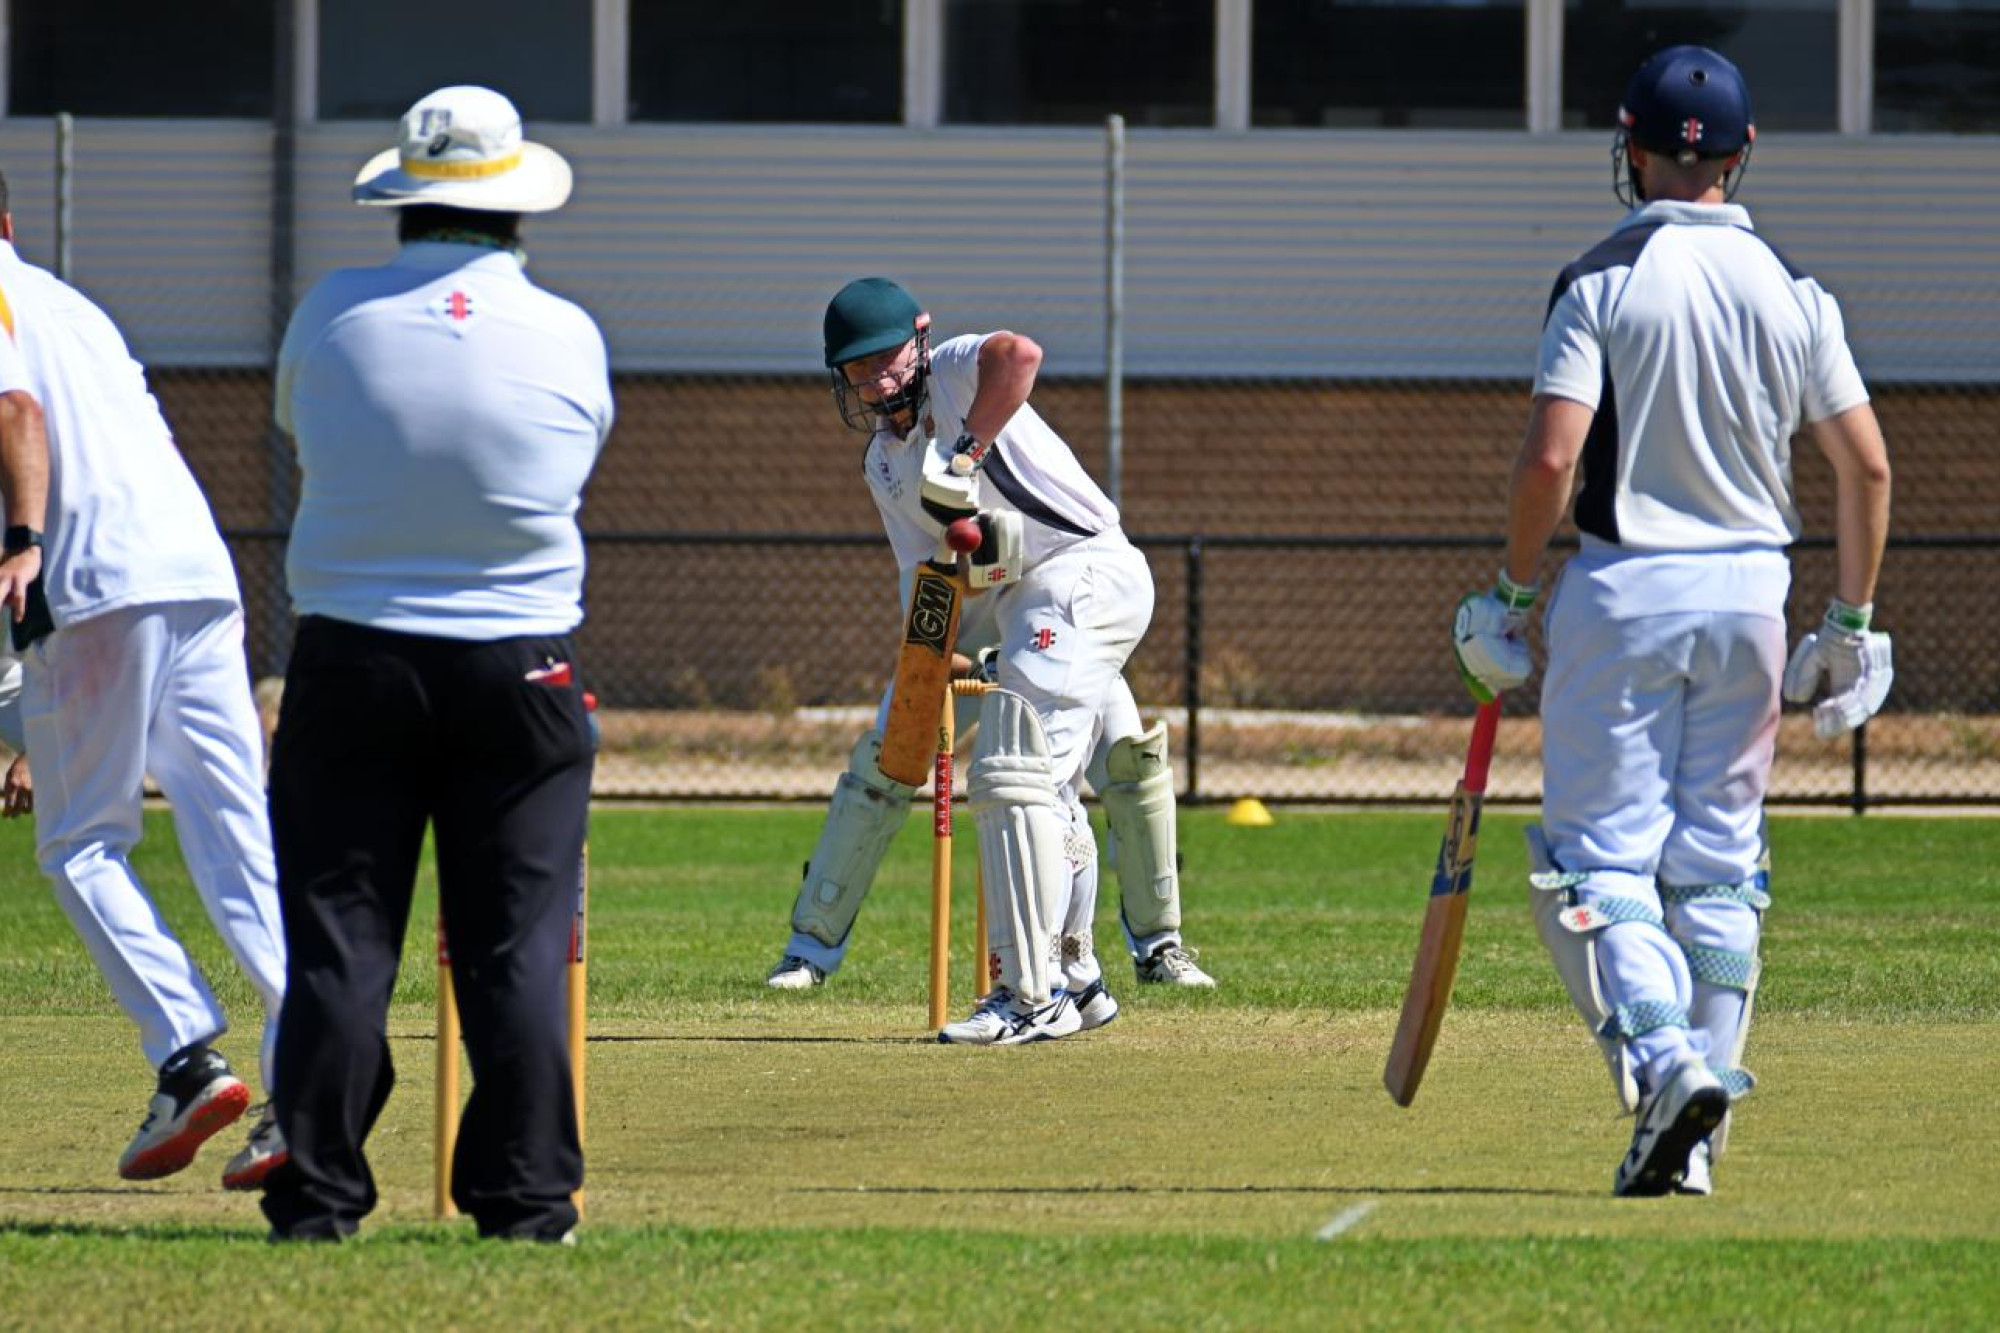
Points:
(1687, 103)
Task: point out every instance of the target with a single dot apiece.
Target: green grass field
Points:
(759, 1159)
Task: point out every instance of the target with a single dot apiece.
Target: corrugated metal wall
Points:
(172, 229)
(1269, 254)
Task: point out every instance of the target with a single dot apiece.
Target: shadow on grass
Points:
(1332, 1191)
(777, 1039)
(150, 1231)
(137, 1191)
(691, 1038)
(398, 1233)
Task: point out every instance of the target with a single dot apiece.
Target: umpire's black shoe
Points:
(197, 1097)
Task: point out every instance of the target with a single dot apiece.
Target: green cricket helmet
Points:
(865, 318)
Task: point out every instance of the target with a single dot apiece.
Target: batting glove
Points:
(999, 557)
(1486, 638)
(1855, 663)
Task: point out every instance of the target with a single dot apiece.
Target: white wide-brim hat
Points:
(462, 147)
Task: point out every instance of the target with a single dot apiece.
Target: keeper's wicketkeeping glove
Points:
(1855, 663)
(1486, 638)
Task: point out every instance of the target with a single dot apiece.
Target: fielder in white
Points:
(1678, 358)
(1128, 769)
(952, 435)
(126, 612)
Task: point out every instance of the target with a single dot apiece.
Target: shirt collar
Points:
(443, 256)
(1674, 210)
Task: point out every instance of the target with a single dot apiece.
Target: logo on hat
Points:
(462, 147)
(1690, 130)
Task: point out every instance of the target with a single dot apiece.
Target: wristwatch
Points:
(19, 538)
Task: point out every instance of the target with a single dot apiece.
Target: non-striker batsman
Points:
(1678, 358)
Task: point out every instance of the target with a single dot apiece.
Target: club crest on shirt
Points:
(457, 308)
(885, 475)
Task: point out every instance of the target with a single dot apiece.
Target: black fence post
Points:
(1859, 799)
(271, 644)
(1192, 667)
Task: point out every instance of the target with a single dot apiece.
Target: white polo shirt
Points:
(447, 413)
(126, 523)
(1029, 470)
(1702, 350)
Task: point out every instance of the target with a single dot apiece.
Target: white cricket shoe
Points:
(1000, 1020)
(1171, 965)
(1700, 1175)
(1685, 1110)
(196, 1099)
(1094, 1006)
(265, 1153)
(795, 973)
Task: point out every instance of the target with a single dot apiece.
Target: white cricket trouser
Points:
(1659, 722)
(160, 689)
(1066, 630)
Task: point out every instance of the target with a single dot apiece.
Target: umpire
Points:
(447, 414)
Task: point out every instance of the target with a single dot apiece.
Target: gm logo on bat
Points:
(930, 612)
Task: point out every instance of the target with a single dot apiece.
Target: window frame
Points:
(923, 64)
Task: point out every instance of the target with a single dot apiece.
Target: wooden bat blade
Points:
(923, 674)
(1436, 966)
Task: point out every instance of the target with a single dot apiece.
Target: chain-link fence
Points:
(1309, 531)
(743, 622)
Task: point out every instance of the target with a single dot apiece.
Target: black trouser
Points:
(379, 733)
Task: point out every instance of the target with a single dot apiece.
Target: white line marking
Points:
(1345, 1220)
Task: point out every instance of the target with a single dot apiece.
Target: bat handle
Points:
(1479, 754)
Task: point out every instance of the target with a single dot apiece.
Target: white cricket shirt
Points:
(1029, 470)
(447, 413)
(126, 524)
(1702, 350)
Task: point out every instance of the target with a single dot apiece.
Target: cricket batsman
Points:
(952, 437)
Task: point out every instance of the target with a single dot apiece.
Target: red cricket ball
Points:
(964, 535)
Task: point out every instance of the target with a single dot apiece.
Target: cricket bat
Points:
(923, 674)
(1444, 920)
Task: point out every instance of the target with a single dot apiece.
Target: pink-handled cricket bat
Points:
(1444, 920)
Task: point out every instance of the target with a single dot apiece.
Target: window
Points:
(377, 57)
(838, 61)
(1074, 62)
(1788, 50)
(141, 58)
(1937, 65)
(1398, 63)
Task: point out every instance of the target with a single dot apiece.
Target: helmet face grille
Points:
(857, 413)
